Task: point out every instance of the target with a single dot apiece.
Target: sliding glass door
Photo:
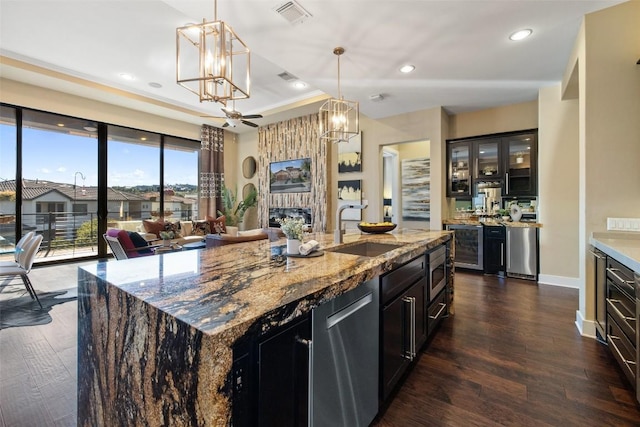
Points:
(55, 161)
(59, 183)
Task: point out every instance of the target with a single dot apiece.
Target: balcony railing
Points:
(65, 235)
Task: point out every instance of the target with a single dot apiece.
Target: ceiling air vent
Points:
(292, 12)
(287, 77)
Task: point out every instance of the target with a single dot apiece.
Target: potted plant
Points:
(504, 213)
(293, 229)
(234, 212)
(166, 237)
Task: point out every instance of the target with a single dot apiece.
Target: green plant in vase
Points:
(232, 209)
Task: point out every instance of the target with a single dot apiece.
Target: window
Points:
(7, 182)
(59, 168)
(181, 177)
(133, 172)
(59, 176)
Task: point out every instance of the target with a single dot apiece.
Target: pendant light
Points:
(212, 61)
(339, 118)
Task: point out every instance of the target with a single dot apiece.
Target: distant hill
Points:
(141, 189)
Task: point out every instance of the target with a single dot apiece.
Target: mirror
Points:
(247, 189)
(249, 167)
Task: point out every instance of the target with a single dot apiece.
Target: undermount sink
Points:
(370, 249)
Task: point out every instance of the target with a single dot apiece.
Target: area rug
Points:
(23, 311)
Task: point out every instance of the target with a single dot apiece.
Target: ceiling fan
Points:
(233, 117)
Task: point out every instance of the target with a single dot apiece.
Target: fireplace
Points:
(281, 213)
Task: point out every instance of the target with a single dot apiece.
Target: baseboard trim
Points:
(563, 281)
(587, 328)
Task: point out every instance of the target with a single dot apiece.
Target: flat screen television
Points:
(290, 176)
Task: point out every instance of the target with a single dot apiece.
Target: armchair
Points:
(126, 244)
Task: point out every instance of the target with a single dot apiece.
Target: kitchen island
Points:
(156, 334)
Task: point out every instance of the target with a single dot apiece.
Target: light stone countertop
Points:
(623, 246)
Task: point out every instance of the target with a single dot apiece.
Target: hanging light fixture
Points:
(212, 61)
(339, 118)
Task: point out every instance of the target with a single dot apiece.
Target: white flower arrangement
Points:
(292, 227)
(166, 235)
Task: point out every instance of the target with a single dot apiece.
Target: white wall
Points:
(606, 52)
(558, 183)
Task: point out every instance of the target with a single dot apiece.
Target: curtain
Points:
(211, 170)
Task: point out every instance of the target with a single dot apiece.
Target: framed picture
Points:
(416, 189)
(290, 176)
(350, 193)
(350, 155)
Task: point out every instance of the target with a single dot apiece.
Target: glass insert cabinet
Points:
(505, 160)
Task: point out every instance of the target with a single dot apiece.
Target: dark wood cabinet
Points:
(494, 249)
(621, 317)
(271, 378)
(459, 170)
(520, 165)
(403, 328)
(403, 332)
(505, 160)
(600, 288)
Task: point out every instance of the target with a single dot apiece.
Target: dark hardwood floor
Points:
(511, 355)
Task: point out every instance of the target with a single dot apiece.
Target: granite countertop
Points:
(226, 289)
(521, 224)
(623, 246)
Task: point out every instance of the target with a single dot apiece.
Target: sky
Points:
(61, 157)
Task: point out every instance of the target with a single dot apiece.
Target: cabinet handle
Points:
(596, 255)
(614, 274)
(501, 254)
(410, 353)
(613, 338)
(506, 182)
(476, 174)
(620, 314)
(309, 344)
(442, 307)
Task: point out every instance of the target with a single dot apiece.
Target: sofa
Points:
(233, 235)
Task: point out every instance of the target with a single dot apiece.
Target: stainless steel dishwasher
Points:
(344, 361)
(522, 252)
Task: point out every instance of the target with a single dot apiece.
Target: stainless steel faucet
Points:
(337, 234)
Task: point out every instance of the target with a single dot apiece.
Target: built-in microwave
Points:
(437, 271)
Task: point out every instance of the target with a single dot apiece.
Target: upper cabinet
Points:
(520, 165)
(506, 160)
(459, 170)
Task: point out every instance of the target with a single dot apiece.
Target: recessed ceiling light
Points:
(126, 76)
(155, 85)
(299, 85)
(144, 138)
(90, 128)
(519, 35)
(60, 125)
(407, 68)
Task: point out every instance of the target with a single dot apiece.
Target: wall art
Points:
(416, 189)
(350, 155)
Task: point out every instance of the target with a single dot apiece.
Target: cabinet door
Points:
(459, 170)
(494, 255)
(404, 331)
(283, 377)
(600, 275)
(395, 343)
(488, 155)
(520, 165)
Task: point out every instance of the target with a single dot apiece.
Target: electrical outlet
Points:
(623, 224)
